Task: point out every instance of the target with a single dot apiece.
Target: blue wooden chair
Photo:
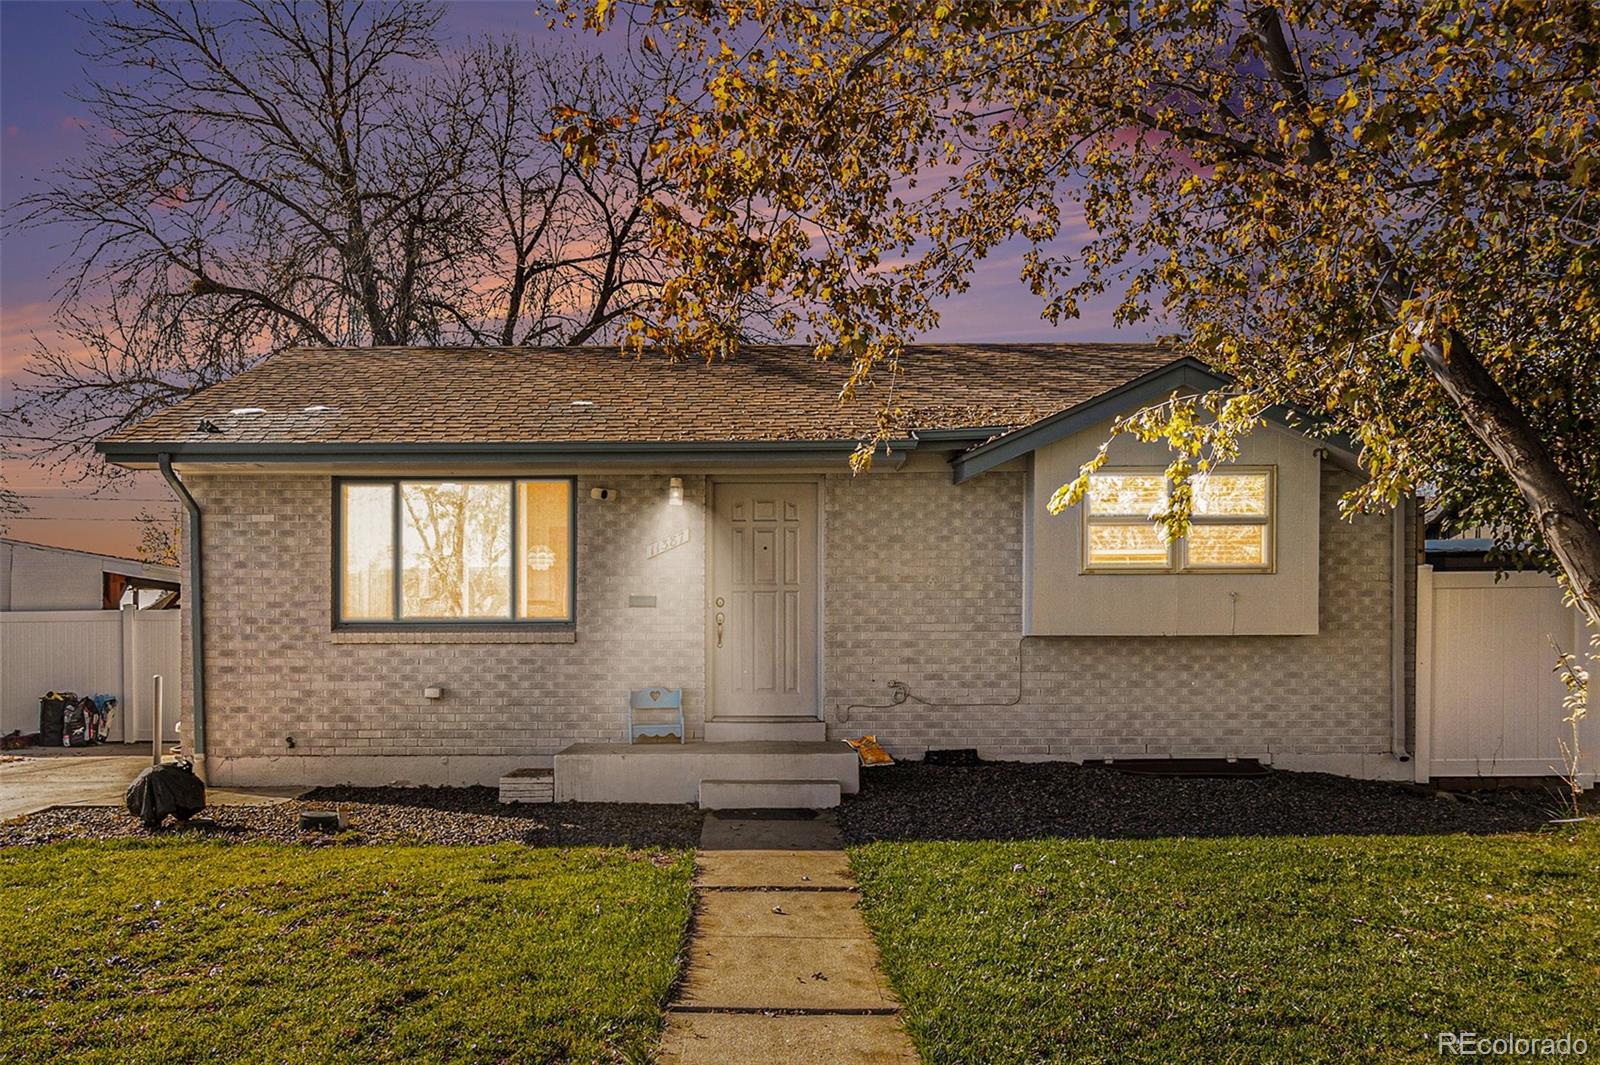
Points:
(655, 702)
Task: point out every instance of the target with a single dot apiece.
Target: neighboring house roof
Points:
(123, 564)
(548, 395)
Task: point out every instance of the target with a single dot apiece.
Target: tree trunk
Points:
(1568, 528)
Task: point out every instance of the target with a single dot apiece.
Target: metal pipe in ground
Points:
(155, 724)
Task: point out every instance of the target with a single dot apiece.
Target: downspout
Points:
(1398, 620)
(197, 616)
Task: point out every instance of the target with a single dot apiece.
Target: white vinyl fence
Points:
(90, 652)
(1488, 698)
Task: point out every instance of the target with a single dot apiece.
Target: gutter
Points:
(1398, 621)
(197, 615)
(568, 452)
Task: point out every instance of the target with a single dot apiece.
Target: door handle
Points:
(720, 619)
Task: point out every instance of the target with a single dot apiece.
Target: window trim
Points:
(398, 623)
(1178, 550)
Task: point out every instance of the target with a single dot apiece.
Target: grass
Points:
(265, 952)
(1234, 950)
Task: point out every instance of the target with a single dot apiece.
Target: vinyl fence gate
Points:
(1488, 697)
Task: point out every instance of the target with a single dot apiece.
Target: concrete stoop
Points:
(744, 774)
(780, 966)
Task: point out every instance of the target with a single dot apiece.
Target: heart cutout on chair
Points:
(655, 695)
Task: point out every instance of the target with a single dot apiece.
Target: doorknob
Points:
(720, 619)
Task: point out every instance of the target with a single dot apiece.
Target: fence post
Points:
(1420, 757)
(129, 704)
(155, 730)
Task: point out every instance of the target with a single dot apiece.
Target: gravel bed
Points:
(387, 815)
(1013, 800)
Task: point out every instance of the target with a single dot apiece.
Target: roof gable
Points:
(1185, 374)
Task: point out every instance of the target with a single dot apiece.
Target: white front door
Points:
(762, 612)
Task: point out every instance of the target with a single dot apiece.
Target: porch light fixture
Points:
(675, 492)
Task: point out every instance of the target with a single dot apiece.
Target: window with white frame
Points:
(455, 551)
(1231, 528)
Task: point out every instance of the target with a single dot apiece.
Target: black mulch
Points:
(387, 815)
(1012, 800)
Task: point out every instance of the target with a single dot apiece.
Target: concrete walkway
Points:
(34, 780)
(781, 967)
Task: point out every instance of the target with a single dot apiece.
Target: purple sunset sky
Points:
(41, 127)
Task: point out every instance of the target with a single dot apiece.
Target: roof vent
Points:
(209, 426)
(317, 408)
(583, 403)
(248, 410)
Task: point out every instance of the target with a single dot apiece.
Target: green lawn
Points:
(1234, 950)
(265, 952)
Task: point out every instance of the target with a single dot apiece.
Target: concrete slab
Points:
(773, 869)
(783, 973)
(767, 943)
(31, 783)
(769, 794)
(724, 1038)
(780, 914)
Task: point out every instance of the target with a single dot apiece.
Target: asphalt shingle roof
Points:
(593, 394)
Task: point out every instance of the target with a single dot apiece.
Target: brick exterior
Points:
(275, 668)
(938, 606)
(923, 585)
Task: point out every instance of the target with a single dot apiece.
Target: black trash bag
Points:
(166, 789)
(52, 720)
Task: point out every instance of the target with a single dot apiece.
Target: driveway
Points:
(34, 781)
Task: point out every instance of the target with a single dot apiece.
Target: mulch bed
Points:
(387, 815)
(1013, 800)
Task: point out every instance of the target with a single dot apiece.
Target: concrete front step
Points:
(672, 772)
(769, 794)
(733, 729)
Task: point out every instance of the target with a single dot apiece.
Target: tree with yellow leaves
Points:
(1385, 215)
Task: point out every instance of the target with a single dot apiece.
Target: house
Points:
(41, 577)
(441, 565)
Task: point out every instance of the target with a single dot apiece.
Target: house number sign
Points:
(677, 539)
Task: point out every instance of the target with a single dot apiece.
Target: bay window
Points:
(464, 551)
(1230, 530)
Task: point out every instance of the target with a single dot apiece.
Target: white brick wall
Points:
(938, 606)
(923, 584)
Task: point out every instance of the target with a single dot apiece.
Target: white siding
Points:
(46, 579)
(1064, 601)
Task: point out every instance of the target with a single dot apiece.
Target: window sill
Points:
(446, 636)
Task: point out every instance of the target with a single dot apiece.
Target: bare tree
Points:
(279, 173)
(576, 259)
